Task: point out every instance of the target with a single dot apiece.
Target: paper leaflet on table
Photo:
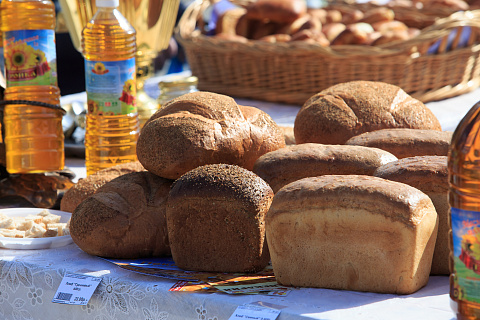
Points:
(262, 282)
(159, 267)
(265, 288)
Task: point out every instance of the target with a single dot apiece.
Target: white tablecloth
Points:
(30, 278)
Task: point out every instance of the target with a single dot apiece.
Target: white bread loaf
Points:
(352, 232)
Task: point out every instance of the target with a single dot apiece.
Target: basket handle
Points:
(442, 30)
(190, 17)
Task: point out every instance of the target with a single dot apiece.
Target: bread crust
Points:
(87, 186)
(205, 128)
(430, 175)
(124, 219)
(404, 142)
(281, 167)
(215, 219)
(352, 232)
(348, 109)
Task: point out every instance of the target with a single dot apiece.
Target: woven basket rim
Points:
(443, 61)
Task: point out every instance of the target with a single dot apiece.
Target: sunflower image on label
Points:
(466, 251)
(111, 87)
(30, 58)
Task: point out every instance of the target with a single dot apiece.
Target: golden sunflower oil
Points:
(464, 218)
(112, 126)
(33, 134)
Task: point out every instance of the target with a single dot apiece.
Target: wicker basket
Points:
(293, 72)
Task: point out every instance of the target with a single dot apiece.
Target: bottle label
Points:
(111, 87)
(466, 254)
(30, 57)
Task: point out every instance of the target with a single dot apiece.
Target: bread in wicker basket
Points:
(440, 61)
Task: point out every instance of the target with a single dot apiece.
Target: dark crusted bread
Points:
(87, 186)
(404, 143)
(352, 232)
(215, 219)
(125, 218)
(348, 109)
(205, 128)
(280, 167)
(430, 175)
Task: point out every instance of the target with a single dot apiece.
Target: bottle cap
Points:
(107, 3)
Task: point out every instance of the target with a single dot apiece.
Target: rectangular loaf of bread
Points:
(352, 232)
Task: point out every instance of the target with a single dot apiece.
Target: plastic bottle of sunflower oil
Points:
(112, 124)
(464, 218)
(32, 115)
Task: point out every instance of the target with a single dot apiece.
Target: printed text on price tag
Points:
(76, 289)
(254, 312)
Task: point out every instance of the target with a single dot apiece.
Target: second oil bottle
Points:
(112, 126)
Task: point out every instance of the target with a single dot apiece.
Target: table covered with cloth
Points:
(29, 279)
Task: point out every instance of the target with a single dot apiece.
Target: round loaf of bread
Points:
(205, 128)
(348, 109)
(215, 219)
(352, 232)
(404, 143)
(124, 219)
(430, 175)
(280, 167)
(87, 186)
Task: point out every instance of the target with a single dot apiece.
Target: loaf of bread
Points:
(215, 219)
(352, 232)
(404, 143)
(87, 186)
(283, 11)
(430, 175)
(125, 218)
(348, 109)
(279, 168)
(205, 128)
(355, 33)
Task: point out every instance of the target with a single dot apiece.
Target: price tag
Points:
(254, 312)
(76, 289)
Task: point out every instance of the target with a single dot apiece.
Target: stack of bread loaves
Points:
(127, 218)
(359, 218)
(207, 195)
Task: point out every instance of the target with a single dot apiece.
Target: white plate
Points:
(34, 243)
